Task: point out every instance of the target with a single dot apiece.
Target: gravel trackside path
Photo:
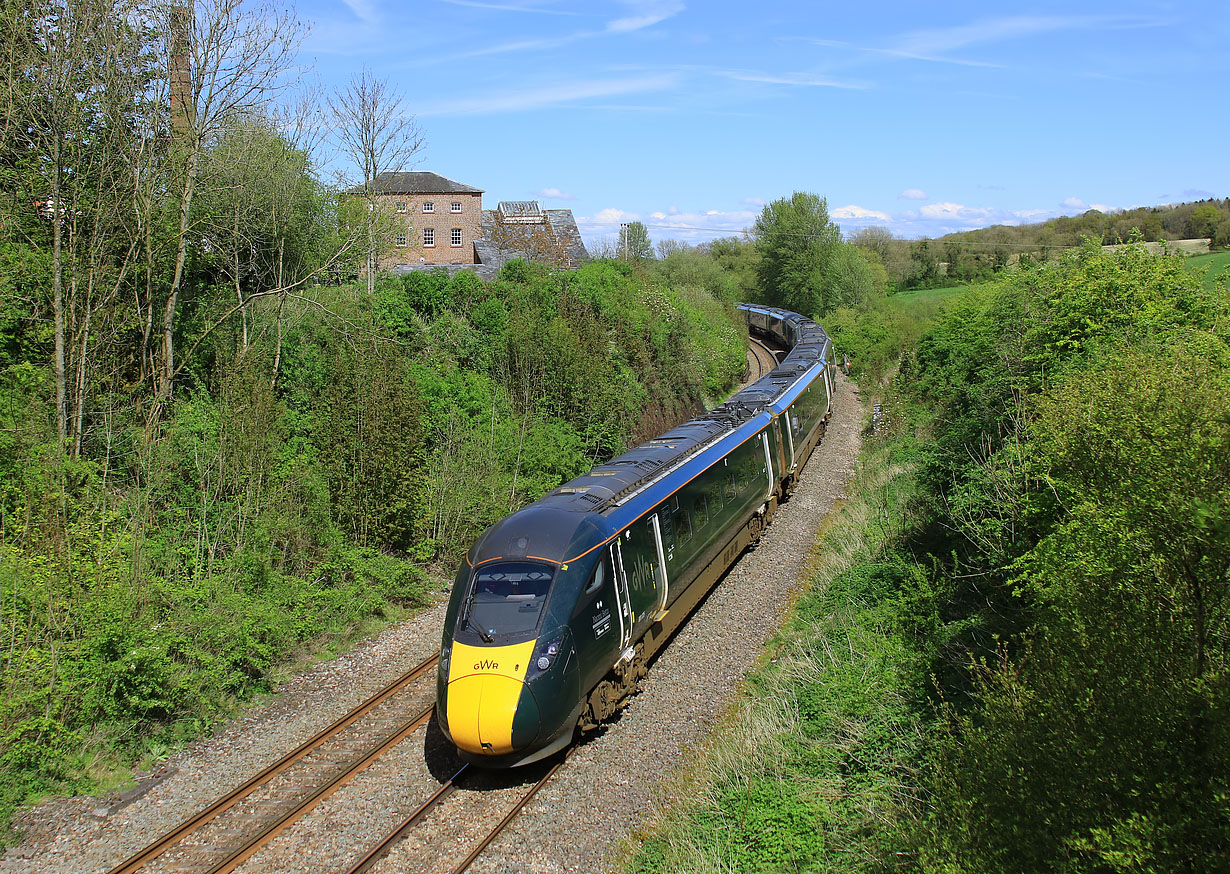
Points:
(576, 824)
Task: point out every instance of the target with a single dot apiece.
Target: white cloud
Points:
(554, 194)
(954, 211)
(644, 13)
(550, 95)
(752, 201)
(673, 224)
(1074, 203)
(1030, 213)
(858, 212)
(611, 216)
(912, 194)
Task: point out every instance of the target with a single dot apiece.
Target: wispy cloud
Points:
(525, 45)
(364, 10)
(936, 44)
(912, 194)
(898, 53)
(644, 13)
(554, 194)
(550, 95)
(800, 79)
(511, 7)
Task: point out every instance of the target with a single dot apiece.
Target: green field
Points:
(1216, 264)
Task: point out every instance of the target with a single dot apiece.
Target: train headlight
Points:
(446, 653)
(549, 651)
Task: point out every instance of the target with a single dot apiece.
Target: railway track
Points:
(760, 360)
(225, 835)
(440, 852)
(221, 837)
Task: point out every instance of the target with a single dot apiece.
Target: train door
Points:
(792, 424)
(768, 460)
(623, 603)
(778, 446)
(655, 527)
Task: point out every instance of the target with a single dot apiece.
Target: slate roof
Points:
(564, 226)
(420, 183)
(559, 223)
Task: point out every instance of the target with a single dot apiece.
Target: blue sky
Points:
(689, 115)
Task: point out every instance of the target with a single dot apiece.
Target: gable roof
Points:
(419, 183)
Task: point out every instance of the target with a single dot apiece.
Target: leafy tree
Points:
(634, 243)
(797, 243)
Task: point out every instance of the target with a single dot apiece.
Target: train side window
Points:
(683, 525)
(715, 498)
(732, 486)
(700, 511)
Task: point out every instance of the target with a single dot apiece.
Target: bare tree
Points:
(76, 71)
(379, 137)
(238, 52)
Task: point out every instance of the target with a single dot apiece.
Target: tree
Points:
(77, 72)
(237, 53)
(375, 134)
(634, 244)
(797, 242)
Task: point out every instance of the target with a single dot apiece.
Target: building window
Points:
(455, 237)
(428, 206)
(429, 236)
(401, 206)
(455, 206)
(400, 240)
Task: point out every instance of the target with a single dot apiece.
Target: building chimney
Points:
(183, 107)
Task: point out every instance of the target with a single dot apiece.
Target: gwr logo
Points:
(487, 665)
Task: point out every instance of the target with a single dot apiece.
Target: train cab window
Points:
(598, 579)
(700, 511)
(507, 598)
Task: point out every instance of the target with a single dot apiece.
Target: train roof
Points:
(609, 485)
(586, 511)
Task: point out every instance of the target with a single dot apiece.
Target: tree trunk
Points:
(181, 257)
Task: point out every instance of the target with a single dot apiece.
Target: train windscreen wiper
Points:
(487, 638)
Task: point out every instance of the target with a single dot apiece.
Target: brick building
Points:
(442, 222)
(442, 218)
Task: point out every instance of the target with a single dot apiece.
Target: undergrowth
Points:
(813, 756)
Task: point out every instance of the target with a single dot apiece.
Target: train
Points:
(557, 610)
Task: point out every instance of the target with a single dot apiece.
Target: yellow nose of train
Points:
(486, 693)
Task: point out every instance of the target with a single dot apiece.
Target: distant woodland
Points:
(978, 254)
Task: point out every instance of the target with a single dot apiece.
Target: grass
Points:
(1216, 264)
(807, 771)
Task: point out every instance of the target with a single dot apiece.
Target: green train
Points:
(557, 609)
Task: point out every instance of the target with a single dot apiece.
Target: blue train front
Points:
(510, 678)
